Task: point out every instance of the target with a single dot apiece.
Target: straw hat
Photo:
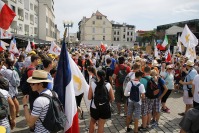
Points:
(138, 58)
(169, 66)
(189, 63)
(155, 63)
(38, 76)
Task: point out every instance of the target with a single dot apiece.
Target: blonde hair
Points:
(154, 72)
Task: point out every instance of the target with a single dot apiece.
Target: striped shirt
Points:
(40, 108)
(4, 122)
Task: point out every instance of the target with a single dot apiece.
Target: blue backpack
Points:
(135, 93)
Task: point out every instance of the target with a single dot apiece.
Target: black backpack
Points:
(4, 107)
(4, 83)
(152, 89)
(101, 96)
(135, 93)
(121, 75)
(55, 119)
(24, 85)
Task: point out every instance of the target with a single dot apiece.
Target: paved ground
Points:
(168, 122)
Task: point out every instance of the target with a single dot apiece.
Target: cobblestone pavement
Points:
(168, 123)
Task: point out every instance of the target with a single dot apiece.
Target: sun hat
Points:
(155, 63)
(138, 58)
(189, 63)
(38, 76)
(169, 67)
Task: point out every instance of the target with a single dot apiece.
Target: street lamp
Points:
(68, 24)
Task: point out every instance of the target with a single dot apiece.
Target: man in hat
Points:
(38, 82)
(187, 85)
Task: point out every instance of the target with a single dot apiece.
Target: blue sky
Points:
(144, 14)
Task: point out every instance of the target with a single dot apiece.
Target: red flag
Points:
(160, 47)
(168, 59)
(6, 16)
(103, 48)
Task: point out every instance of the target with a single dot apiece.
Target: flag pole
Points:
(64, 36)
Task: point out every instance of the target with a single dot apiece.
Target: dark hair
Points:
(10, 63)
(46, 62)
(34, 57)
(136, 66)
(92, 69)
(53, 71)
(108, 60)
(45, 84)
(86, 55)
(121, 60)
(102, 75)
(147, 69)
(21, 58)
(138, 74)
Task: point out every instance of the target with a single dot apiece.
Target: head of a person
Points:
(101, 75)
(1, 62)
(147, 70)
(86, 56)
(91, 70)
(39, 80)
(35, 59)
(9, 63)
(136, 66)
(108, 61)
(189, 64)
(47, 63)
(169, 68)
(121, 60)
(21, 58)
(138, 75)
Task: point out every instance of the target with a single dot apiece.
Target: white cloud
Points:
(144, 14)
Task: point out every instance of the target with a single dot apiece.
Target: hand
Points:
(25, 99)
(181, 82)
(13, 124)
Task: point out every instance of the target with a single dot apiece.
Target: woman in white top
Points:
(163, 70)
(100, 114)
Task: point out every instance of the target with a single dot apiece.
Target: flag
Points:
(2, 46)
(103, 47)
(33, 44)
(6, 16)
(28, 48)
(54, 49)
(179, 45)
(165, 42)
(5, 34)
(160, 47)
(64, 87)
(168, 55)
(155, 50)
(187, 36)
(190, 53)
(13, 47)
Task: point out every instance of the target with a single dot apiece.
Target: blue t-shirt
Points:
(50, 84)
(190, 76)
(161, 83)
(112, 66)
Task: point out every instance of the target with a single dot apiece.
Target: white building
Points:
(32, 17)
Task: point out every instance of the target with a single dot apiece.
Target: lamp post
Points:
(68, 24)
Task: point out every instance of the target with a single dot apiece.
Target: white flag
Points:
(190, 53)
(80, 84)
(3, 45)
(187, 36)
(28, 48)
(5, 34)
(13, 47)
(155, 50)
(179, 45)
(54, 49)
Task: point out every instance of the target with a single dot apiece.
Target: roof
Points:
(98, 14)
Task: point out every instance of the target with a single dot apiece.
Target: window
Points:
(20, 27)
(93, 22)
(104, 23)
(114, 39)
(124, 30)
(99, 17)
(93, 30)
(131, 33)
(118, 32)
(104, 38)
(127, 39)
(93, 38)
(104, 30)
(131, 39)
(26, 15)
(118, 39)
(31, 6)
(127, 33)
(35, 20)
(13, 8)
(123, 36)
(31, 30)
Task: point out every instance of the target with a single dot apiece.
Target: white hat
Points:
(189, 63)
(155, 63)
(38, 76)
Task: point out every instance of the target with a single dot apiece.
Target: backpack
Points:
(24, 85)
(127, 79)
(121, 75)
(152, 89)
(4, 83)
(135, 93)
(101, 96)
(105, 69)
(55, 119)
(15, 80)
(4, 107)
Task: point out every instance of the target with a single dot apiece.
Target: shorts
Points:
(186, 98)
(119, 95)
(157, 105)
(134, 108)
(103, 113)
(147, 105)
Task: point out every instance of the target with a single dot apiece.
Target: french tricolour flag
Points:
(6, 16)
(64, 87)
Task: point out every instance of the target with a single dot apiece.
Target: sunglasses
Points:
(32, 84)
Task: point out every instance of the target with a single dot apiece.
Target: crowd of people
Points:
(139, 81)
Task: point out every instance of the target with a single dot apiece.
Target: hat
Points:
(169, 66)
(32, 52)
(138, 58)
(38, 76)
(155, 63)
(189, 63)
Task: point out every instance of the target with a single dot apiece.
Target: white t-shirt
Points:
(128, 89)
(130, 76)
(196, 91)
(40, 108)
(93, 86)
(4, 122)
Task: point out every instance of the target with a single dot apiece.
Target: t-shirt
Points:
(190, 121)
(145, 81)
(161, 83)
(128, 89)
(93, 86)
(130, 76)
(190, 76)
(4, 122)
(169, 79)
(50, 84)
(116, 71)
(40, 108)
(113, 61)
(196, 91)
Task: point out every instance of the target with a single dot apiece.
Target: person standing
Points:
(195, 89)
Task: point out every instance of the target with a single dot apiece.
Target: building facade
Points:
(98, 29)
(32, 17)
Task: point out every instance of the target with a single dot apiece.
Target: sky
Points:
(144, 14)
